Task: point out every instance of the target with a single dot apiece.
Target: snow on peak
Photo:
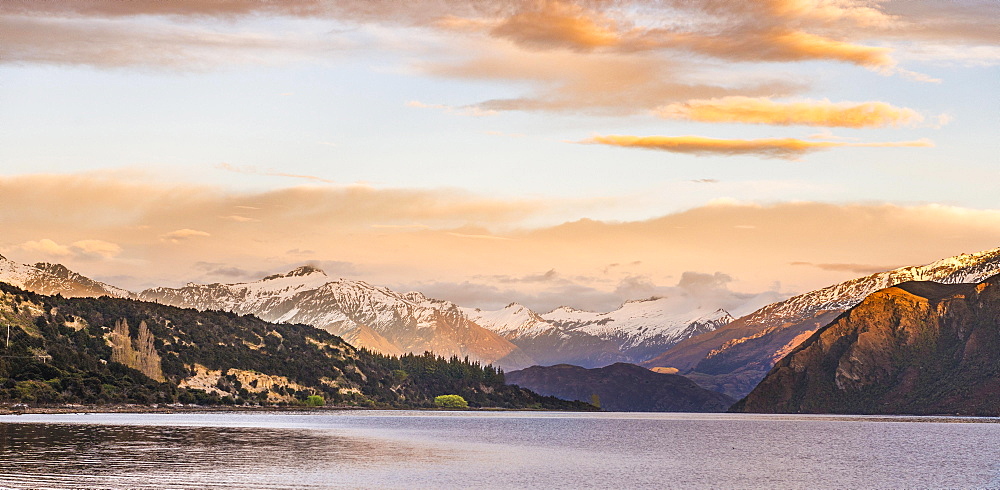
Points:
(964, 268)
(715, 316)
(414, 296)
(657, 319)
(643, 300)
(302, 278)
(302, 271)
(55, 269)
(512, 321)
(565, 310)
(46, 278)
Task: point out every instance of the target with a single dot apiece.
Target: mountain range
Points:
(734, 358)
(372, 317)
(394, 323)
(916, 348)
(707, 345)
(635, 332)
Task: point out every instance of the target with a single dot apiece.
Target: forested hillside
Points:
(110, 350)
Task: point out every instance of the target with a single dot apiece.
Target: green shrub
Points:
(315, 401)
(451, 401)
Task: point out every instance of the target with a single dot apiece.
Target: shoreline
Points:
(70, 409)
(66, 409)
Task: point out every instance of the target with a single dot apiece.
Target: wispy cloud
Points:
(855, 268)
(81, 249)
(184, 234)
(156, 43)
(603, 84)
(771, 30)
(240, 219)
(461, 111)
(784, 148)
(250, 169)
(763, 110)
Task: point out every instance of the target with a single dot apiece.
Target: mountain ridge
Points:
(365, 315)
(915, 348)
(735, 357)
(631, 333)
(47, 278)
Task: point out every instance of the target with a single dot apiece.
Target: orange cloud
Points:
(785, 148)
(821, 11)
(751, 243)
(763, 110)
(777, 30)
(559, 25)
(798, 45)
(751, 43)
(599, 83)
(774, 30)
(83, 249)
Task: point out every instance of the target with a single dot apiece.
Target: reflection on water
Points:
(38, 455)
(392, 449)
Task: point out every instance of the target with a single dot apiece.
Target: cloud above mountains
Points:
(107, 228)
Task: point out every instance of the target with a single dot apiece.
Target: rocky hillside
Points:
(621, 387)
(916, 348)
(366, 316)
(635, 332)
(109, 350)
(45, 278)
(734, 358)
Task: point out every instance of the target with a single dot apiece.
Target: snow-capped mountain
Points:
(642, 328)
(545, 342)
(965, 268)
(367, 316)
(635, 332)
(45, 278)
(736, 357)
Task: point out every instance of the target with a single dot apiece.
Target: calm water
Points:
(392, 449)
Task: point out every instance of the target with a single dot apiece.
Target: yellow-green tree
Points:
(451, 401)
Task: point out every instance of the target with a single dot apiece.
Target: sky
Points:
(549, 152)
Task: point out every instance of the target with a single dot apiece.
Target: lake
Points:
(420, 449)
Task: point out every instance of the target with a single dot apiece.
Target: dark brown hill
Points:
(916, 348)
(621, 387)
